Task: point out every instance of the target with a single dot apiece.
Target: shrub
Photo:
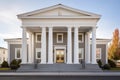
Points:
(18, 62)
(99, 63)
(112, 63)
(15, 64)
(4, 64)
(106, 67)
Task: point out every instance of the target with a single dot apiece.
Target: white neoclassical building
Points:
(58, 34)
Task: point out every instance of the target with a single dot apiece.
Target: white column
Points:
(24, 46)
(69, 46)
(43, 46)
(87, 47)
(94, 45)
(106, 54)
(8, 53)
(76, 46)
(33, 53)
(30, 49)
(50, 46)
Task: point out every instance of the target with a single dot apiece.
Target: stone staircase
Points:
(58, 67)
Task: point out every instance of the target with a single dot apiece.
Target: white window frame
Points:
(16, 53)
(38, 50)
(57, 37)
(82, 53)
(82, 37)
(100, 53)
(36, 37)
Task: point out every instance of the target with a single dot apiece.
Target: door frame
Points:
(59, 47)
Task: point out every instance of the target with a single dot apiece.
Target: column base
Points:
(76, 63)
(50, 63)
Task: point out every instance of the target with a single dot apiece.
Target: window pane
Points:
(38, 37)
(18, 53)
(98, 53)
(59, 37)
(38, 54)
(80, 37)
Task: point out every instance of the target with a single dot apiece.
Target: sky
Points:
(10, 26)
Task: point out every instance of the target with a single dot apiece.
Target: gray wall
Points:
(103, 51)
(12, 50)
(38, 45)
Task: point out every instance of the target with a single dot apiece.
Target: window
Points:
(98, 53)
(81, 37)
(38, 53)
(38, 37)
(17, 53)
(59, 38)
(81, 53)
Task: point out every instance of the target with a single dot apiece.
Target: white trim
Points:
(37, 50)
(100, 53)
(91, 15)
(82, 37)
(16, 53)
(59, 47)
(57, 37)
(37, 37)
(82, 57)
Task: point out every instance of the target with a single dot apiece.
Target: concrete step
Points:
(58, 67)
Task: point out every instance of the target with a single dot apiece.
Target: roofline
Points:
(56, 6)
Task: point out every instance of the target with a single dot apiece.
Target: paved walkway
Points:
(59, 73)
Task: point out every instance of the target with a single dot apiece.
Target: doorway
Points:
(60, 56)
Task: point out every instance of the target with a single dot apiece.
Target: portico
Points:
(49, 50)
(63, 35)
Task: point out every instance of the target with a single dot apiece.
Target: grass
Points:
(4, 69)
(115, 69)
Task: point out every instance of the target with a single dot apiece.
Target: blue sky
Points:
(10, 25)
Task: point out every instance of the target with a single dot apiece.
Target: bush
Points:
(106, 67)
(18, 63)
(112, 63)
(15, 64)
(4, 64)
(99, 63)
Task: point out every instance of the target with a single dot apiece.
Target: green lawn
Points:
(4, 69)
(115, 69)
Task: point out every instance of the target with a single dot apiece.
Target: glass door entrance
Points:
(60, 56)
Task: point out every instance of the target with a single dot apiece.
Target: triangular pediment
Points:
(58, 10)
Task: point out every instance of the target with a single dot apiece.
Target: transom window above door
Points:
(38, 37)
(59, 37)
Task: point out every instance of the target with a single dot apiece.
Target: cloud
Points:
(10, 35)
(9, 17)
